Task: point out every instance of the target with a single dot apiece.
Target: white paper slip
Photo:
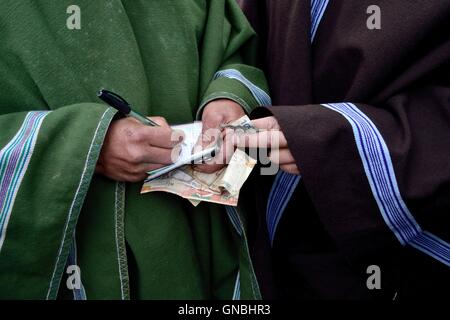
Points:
(192, 132)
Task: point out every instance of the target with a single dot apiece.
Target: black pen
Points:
(119, 103)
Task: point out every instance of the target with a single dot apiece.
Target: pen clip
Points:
(114, 100)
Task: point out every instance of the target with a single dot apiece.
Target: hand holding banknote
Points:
(222, 186)
(268, 135)
(215, 114)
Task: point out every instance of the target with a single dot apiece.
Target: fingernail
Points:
(178, 135)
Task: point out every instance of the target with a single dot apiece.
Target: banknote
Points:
(220, 187)
(237, 172)
(194, 202)
(193, 185)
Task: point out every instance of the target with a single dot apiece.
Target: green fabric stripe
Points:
(120, 240)
(77, 203)
(20, 166)
(247, 272)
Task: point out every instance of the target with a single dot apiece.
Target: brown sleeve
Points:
(344, 167)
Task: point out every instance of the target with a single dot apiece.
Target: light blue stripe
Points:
(388, 202)
(280, 195)
(409, 228)
(287, 189)
(272, 210)
(232, 215)
(280, 211)
(384, 207)
(72, 260)
(318, 10)
(263, 99)
(237, 287)
(380, 173)
(432, 246)
(4, 159)
(6, 153)
(26, 139)
(12, 187)
(386, 199)
(422, 244)
(279, 189)
(18, 169)
(437, 245)
(437, 239)
(388, 162)
(259, 94)
(393, 206)
(21, 161)
(274, 185)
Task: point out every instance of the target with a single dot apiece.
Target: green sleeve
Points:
(47, 160)
(233, 39)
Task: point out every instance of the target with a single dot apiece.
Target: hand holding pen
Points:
(131, 149)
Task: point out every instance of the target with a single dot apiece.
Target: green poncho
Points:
(162, 56)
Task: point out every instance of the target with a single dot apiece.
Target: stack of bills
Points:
(221, 187)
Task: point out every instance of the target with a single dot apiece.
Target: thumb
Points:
(209, 136)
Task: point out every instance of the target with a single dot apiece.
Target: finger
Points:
(122, 175)
(268, 123)
(137, 169)
(281, 156)
(290, 168)
(221, 111)
(212, 121)
(220, 160)
(155, 155)
(265, 139)
(177, 135)
(162, 137)
(147, 167)
(123, 171)
(207, 138)
(209, 168)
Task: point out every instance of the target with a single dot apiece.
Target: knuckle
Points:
(130, 133)
(273, 123)
(135, 170)
(167, 133)
(136, 135)
(160, 120)
(134, 156)
(176, 136)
